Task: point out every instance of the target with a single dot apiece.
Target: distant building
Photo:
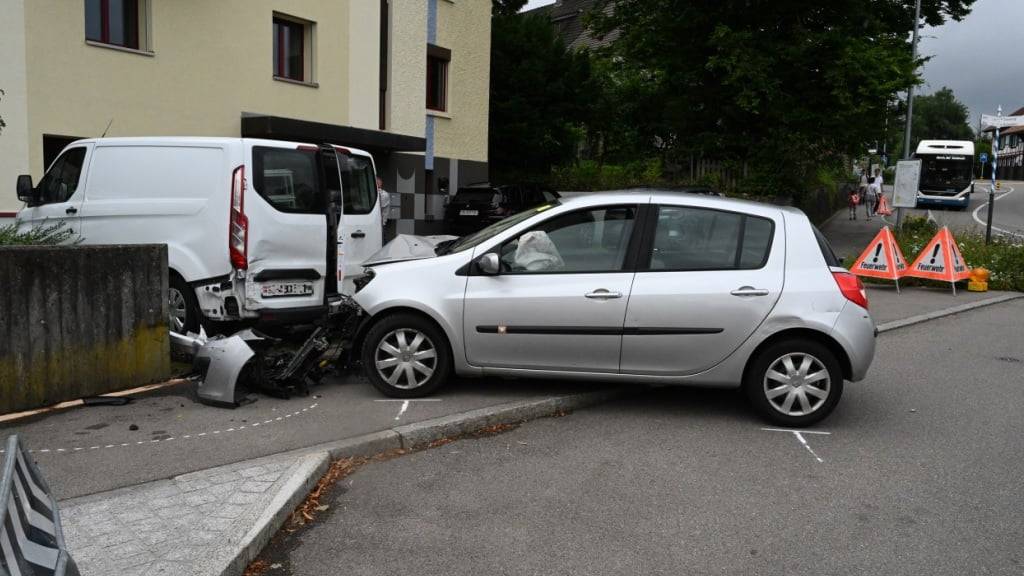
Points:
(407, 80)
(1011, 151)
(569, 19)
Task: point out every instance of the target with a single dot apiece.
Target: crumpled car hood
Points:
(407, 247)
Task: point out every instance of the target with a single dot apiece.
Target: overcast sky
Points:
(978, 58)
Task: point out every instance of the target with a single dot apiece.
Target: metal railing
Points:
(31, 539)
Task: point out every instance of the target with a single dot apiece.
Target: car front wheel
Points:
(406, 356)
(795, 382)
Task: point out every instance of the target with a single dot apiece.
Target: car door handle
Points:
(749, 291)
(602, 294)
(359, 234)
(71, 210)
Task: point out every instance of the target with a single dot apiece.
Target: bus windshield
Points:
(946, 172)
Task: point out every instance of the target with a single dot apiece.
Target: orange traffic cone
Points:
(883, 206)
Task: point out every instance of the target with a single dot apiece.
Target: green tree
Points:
(939, 116)
(785, 85)
(539, 95)
(506, 7)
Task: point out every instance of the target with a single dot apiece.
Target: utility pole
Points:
(992, 189)
(910, 101)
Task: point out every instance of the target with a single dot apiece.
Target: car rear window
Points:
(826, 248)
(485, 196)
(287, 179)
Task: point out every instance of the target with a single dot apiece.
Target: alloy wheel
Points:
(797, 384)
(406, 358)
(177, 311)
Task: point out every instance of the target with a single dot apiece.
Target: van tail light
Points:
(852, 288)
(238, 224)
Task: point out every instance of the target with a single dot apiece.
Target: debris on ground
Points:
(133, 427)
(106, 400)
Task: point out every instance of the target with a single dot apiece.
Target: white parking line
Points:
(799, 434)
(982, 222)
(409, 400)
(405, 406)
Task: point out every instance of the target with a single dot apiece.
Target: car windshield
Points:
(945, 172)
(470, 241)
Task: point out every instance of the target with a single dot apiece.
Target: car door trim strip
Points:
(596, 330)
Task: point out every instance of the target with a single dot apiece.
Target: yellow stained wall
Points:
(407, 70)
(211, 61)
(14, 102)
(464, 27)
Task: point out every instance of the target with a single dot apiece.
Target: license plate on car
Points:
(279, 289)
(469, 212)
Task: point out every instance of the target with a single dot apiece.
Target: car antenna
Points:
(107, 129)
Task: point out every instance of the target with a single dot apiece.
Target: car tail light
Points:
(852, 288)
(238, 224)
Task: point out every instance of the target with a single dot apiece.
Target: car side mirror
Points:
(26, 193)
(488, 264)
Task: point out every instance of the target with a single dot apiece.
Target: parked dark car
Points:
(476, 207)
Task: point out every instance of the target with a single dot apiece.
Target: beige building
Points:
(407, 80)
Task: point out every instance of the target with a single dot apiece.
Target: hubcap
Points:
(406, 358)
(797, 384)
(177, 311)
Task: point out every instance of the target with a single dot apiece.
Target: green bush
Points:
(45, 235)
(590, 175)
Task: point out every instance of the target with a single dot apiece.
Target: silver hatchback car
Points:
(640, 286)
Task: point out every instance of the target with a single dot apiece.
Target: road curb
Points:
(920, 318)
(305, 474)
(418, 434)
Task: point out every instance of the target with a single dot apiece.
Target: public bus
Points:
(947, 173)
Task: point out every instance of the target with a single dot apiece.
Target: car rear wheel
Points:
(795, 382)
(182, 307)
(406, 356)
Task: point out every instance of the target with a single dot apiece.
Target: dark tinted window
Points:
(701, 239)
(289, 45)
(359, 184)
(826, 249)
(476, 196)
(287, 179)
(437, 83)
(61, 181)
(112, 22)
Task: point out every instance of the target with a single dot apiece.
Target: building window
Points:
(115, 22)
(293, 47)
(437, 77)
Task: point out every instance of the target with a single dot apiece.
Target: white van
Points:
(256, 230)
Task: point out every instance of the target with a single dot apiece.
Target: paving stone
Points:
(176, 528)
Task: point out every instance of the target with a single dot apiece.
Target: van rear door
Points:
(360, 234)
(285, 209)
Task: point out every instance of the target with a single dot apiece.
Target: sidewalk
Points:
(850, 237)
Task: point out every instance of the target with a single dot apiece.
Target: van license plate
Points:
(469, 212)
(278, 289)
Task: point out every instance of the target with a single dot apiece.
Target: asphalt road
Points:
(92, 449)
(1008, 217)
(917, 472)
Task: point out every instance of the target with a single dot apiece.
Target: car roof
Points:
(662, 196)
(208, 140)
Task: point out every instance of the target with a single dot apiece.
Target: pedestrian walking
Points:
(852, 200)
(875, 191)
(870, 199)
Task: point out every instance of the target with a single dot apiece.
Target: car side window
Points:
(687, 239)
(61, 181)
(594, 240)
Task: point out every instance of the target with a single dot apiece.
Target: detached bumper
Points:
(855, 331)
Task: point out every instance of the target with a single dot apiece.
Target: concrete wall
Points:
(80, 321)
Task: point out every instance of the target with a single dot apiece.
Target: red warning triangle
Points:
(940, 260)
(882, 258)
